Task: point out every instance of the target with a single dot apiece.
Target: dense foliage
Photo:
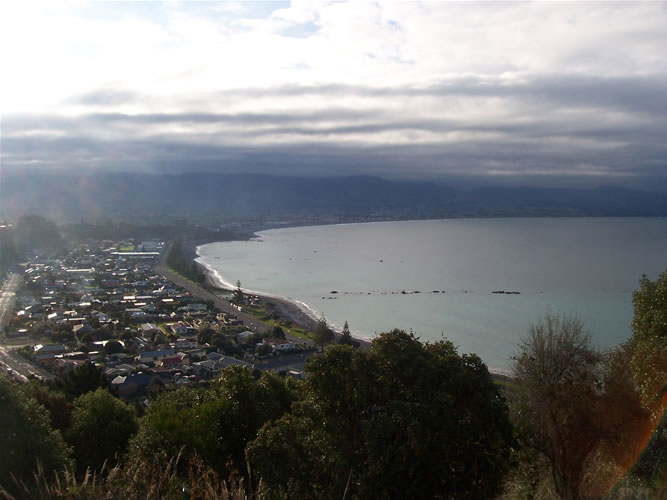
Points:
(26, 437)
(323, 334)
(100, 429)
(85, 378)
(217, 423)
(178, 262)
(401, 420)
(649, 341)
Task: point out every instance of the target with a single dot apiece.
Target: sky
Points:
(552, 93)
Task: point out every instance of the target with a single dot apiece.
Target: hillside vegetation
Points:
(402, 419)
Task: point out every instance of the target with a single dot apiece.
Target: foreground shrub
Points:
(401, 420)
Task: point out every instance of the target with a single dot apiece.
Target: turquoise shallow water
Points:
(583, 266)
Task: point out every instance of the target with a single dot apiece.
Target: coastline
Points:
(290, 310)
(284, 307)
(294, 313)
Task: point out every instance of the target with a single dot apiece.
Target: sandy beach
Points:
(286, 309)
(283, 307)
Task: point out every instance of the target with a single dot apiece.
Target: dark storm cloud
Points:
(644, 93)
(565, 126)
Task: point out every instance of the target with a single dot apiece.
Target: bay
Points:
(386, 275)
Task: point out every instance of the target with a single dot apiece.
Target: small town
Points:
(108, 303)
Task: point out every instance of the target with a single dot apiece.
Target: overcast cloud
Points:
(516, 92)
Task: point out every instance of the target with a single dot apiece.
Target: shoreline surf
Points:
(299, 312)
(592, 276)
(294, 310)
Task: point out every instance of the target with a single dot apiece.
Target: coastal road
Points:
(7, 300)
(250, 322)
(20, 368)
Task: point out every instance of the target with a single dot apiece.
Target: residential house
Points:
(48, 351)
(280, 345)
(153, 356)
(183, 343)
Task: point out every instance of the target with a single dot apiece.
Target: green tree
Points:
(83, 379)
(264, 350)
(294, 457)
(323, 334)
(205, 333)
(346, 337)
(113, 347)
(101, 428)
(175, 258)
(237, 296)
(401, 420)
(216, 424)
(26, 438)
(277, 332)
(86, 338)
(171, 422)
(648, 347)
(55, 402)
(649, 342)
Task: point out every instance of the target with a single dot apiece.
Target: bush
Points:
(27, 440)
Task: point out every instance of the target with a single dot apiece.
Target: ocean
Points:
(438, 277)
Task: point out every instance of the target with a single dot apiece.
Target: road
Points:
(20, 368)
(8, 299)
(250, 322)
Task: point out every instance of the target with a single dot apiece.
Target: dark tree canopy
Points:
(323, 334)
(26, 437)
(278, 332)
(346, 337)
(649, 342)
(56, 403)
(215, 424)
(85, 378)
(237, 295)
(101, 428)
(113, 347)
(401, 420)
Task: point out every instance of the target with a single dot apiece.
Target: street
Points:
(9, 360)
(249, 321)
(7, 300)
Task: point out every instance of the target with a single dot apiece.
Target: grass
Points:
(128, 248)
(163, 328)
(155, 478)
(187, 278)
(261, 312)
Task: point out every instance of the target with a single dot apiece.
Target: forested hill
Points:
(67, 196)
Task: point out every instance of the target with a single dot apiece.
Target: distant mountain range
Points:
(117, 196)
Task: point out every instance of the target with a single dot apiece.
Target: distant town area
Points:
(112, 304)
